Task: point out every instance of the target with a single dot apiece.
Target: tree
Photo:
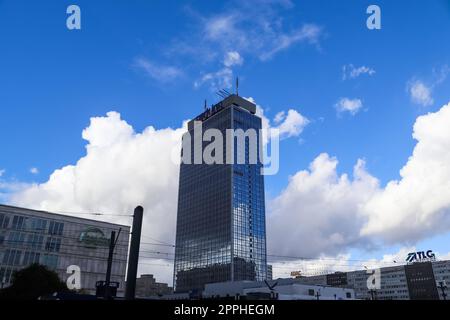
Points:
(32, 282)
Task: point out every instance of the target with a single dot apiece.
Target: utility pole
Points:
(112, 245)
(443, 287)
(133, 258)
(109, 266)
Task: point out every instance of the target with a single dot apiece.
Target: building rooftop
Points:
(231, 100)
(20, 210)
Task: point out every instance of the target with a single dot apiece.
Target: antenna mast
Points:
(237, 86)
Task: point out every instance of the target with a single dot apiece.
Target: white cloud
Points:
(221, 26)
(290, 124)
(352, 106)
(261, 34)
(34, 170)
(445, 256)
(352, 72)
(309, 33)
(420, 93)
(322, 212)
(318, 211)
(2, 172)
(441, 74)
(222, 40)
(221, 79)
(160, 73)
(232, 58)
(162, 269)
(233, 34)
(420, 200)
(279, 117)
(7, 188)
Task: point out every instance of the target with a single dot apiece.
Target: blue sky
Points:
(53, 80)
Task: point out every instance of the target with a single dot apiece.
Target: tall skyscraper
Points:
(221, 228)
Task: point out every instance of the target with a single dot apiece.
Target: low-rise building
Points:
(414, 281)
(146, 286)
(280, 289)
(269, 272)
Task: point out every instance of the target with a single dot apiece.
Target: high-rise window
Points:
(221, 232)
(4, 221)
(35, 241)
(49, 260)
(16, 238)
(53, 244)
(38, 224)
(30, 258)
(12, 257)
(18, 223)
(56, 228)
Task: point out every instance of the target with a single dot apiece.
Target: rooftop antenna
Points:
(223, 94)
(206, 105)
(219, 94)
(237, 86)
(226, 91)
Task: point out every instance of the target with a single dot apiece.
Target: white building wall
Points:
(287, 289)
(307, 292)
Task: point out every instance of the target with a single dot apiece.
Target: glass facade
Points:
(221, 212)
(249, 225)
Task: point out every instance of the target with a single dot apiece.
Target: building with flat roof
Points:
(146, 286)
(269, 272)
(221, 227)
(281, 289)
(59, 241)
(414, 281)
